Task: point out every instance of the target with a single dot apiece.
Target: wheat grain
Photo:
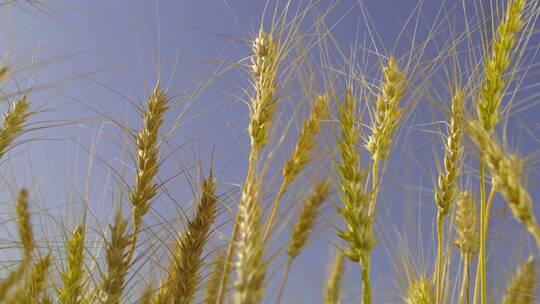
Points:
(73, 291)
(13, 123)
(420, 291)
(522, 286)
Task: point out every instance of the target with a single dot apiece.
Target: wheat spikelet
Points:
(332, 292)
(505, 173)
(116, 257)
(26, 235)
(13, 123)
(420, 291)
(522, 286)
(73, 278)
(212, 284)
(306, 219)
(499, 60)
(33, 288)
(147, 163)
(184, 276)
(387, 111)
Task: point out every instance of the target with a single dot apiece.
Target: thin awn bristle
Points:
(116, 257)
(499, 60)
(73, 291)
(147, 163)
(522, 286)
(505, 172)
(26, 235)
(13, 123)
(447, 183)
(332, 292)
(184, 270)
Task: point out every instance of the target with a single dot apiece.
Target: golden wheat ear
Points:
(420, 291)
(26, 235)
(73, 279)
(522, 286)
(184, 270)
(33, 288)
(116, 257)
(332, 293)
(214, 280)
(13, 123)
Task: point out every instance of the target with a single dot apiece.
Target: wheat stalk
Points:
(332, 292)
(522, 286)
(446, 191)
(73, 278)
(184, 276)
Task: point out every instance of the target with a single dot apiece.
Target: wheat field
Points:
(270, 151)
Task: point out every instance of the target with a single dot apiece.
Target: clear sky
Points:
(96, 61)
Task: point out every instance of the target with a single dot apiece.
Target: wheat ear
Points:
(301, 154)
(466, 225)
(355, 200)
(27, 240)
(420, 291)
(212, 284)
(147, 163)
(264, 67)
(522, 286)
(33, 288)
(505, 172)
(184, 270)
(332, 293)
(73, 291)
(116, 257)
(446, 190)
(13, 123)
(302, 229)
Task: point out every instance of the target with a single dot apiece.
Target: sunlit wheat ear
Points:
(497, 62)
(116, 258)
(446, 186)
(420, 291)
(522, 286)
(264, 67)
(184, 270)
(301, 154)
(73, 291)
(468, 237)
(33, 288)
(250, 264)
(387, 111)
(332, 293)
(212, 284)
(306, 219)
(13, 123)
(147, 163)
(358, 234)
(27, 240)
(505, 172)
